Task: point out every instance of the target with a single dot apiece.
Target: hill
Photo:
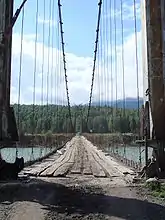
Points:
(130, 103)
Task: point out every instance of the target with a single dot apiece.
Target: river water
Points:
(29, 154)
(134, 153)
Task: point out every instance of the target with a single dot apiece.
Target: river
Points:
(29, 154)
(135, 153)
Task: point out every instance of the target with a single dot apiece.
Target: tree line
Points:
(52, 118)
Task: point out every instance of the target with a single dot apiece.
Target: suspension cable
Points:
(42, 71)
(48, 71)
(101, 65)
(107, 58)
(111, 67)
(99, 84)
(57, 72)
(34, 72)
(20, 77)
(104, 54)
(123, 67)
(115, 56)
(64, 61)
(95, 56)
(137, 62)
(52, 57)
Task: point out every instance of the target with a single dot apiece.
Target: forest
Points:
(54, 118)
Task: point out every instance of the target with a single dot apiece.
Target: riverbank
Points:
(110, 139)
(49, 139)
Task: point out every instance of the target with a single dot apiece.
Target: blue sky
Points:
(80, 19)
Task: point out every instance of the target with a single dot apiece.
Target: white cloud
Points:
(107, 89)
(79, 71)
(50, 22)
(127, 12)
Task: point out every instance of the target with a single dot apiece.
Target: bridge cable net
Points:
(38, 84)
(137, 78)
(109, 88)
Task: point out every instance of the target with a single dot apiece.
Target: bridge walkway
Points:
(79, 157)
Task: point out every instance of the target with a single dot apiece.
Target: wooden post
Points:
(6, 14)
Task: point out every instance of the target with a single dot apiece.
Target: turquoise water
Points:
(129, 152)
(135, 153)
(29, 154)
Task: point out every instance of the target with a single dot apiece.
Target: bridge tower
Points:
(8, 130)
(153, 54)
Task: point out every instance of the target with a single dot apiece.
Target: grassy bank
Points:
(44, 139)
(156, 189)
(111, 138)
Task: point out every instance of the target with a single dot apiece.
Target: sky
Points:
(79, 25)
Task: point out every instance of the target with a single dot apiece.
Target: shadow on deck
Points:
(61, 201)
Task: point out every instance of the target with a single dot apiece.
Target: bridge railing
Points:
(127, 152)
(34, 148)
(124, 158)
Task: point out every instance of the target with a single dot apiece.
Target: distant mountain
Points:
(130, 103)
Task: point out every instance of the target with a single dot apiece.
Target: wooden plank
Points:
(54, 165)
(64, 169)
(58, 163)
(96, 168)
(77, 167)
(86, 164)
(108, 169)
(111, 167)
(100, 157)
(38, 167)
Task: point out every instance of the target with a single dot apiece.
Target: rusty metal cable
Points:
(95, 56)
(64, 61)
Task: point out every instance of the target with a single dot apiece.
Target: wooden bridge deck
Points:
(81, 157)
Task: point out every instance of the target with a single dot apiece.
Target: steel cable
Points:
(34, 77)
(111, 66)
(115, 59)
(42, 69)
(95, 55)
(137, 61)
(123, 67)
(19, 78)
(64, 62)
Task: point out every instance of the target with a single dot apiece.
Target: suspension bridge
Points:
(52, 119)
(81, 113)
